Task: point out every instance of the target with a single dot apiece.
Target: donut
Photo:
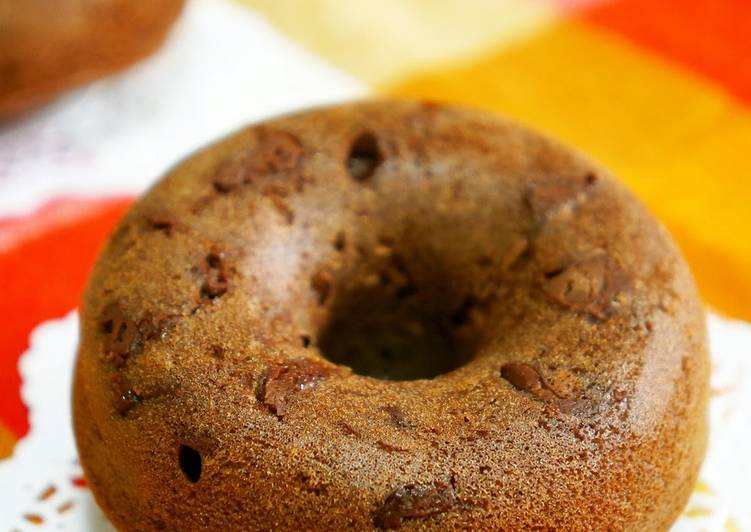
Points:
(390, 315)
(48, 46)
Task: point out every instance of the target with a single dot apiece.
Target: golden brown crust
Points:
(47, 46)
(572, 398)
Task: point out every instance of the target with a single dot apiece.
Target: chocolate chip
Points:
(340, 242)
(526, 378)
(215, 282)
(283, 380)
(312, 483)
(125, 397)
(162, 222)
(217, 351)
(348, 429)
(544, 197)
(522, 376)
(278, 151)
(121, 334)
(322, 282)
(516, 249)
(397, 417)
(389, 448)
(284, 209)
(231, 175)
(588, 285)
(125, 336)
(364, 156)
(415, 501)
(202, 203)
(153, 326)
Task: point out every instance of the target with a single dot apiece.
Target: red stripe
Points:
(709, 37)
(43, 274)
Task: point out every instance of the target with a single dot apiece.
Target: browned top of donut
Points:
(393, 314)
(47, 46)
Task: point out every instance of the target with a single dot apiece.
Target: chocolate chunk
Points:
(217, 351)
(286, 379)
(364, 156)
(312, 483)
(397, 417)
(153, 326)
(125, 336)
(283, 208)
(543, 198)
(390, 448)
(340, 242)
(202, 203)
(162, 222)
(415, 501)
(279, 151)
(348, 429)
(121, 334)
(518, 246)
(231, 175)
(322, 282)
(215, 276)
(522, 376)
(589, 285)
(526, 378)
(590, 178)
(125, 397)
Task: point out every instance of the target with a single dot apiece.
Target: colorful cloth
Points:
(660, 92)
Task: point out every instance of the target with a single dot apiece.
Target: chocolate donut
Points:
(47, 46)
(390, 315)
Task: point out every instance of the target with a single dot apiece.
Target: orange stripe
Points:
(710, 37)
(679, 143)
(723, 280)
(7, 441)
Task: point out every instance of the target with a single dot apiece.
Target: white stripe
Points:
(222, 67)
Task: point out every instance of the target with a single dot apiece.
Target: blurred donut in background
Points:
(48, 46)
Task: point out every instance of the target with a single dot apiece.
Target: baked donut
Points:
(47, 46)
(384, 315)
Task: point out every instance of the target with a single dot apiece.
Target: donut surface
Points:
(390, 315)
(47, 46)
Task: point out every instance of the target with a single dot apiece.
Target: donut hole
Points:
(190, 463)
(401, 332)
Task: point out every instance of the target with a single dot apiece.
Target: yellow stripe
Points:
(388, 39)
(7, 442)
(679, 142)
